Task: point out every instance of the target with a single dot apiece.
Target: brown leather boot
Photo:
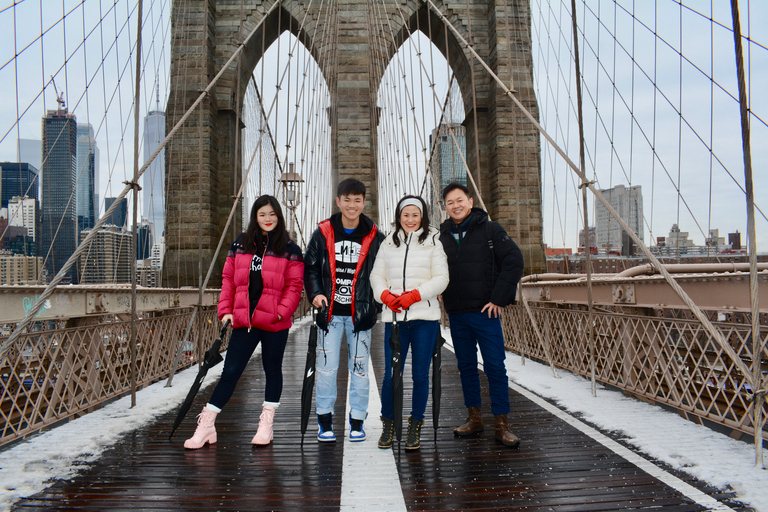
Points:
(504, 434)
(473, 424)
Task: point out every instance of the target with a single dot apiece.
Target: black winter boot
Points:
(413, 442)
(387, 433)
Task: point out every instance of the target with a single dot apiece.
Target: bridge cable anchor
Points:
(133, 184)
(586, 184)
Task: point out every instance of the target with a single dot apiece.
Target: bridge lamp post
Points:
(291, 181)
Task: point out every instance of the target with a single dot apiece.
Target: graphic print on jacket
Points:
(255, 282)
(347, 254)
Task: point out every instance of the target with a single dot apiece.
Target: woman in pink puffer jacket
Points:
(261, 288)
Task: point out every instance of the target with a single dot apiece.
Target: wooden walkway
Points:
(557, 468)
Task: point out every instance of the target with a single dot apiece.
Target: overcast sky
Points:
(619, 144)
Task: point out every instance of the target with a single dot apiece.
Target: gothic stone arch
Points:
(203, 171)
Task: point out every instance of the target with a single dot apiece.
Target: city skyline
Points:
(663, 206)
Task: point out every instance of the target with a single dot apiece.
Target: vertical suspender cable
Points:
(583, 187)
(716, 335)
(29, 315)
(759, 386)
(203, 48)
(135, 185)
(474, 101)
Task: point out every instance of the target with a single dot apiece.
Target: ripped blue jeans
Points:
(328, 353)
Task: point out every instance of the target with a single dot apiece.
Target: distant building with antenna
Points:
(58, 175)
(153, 179)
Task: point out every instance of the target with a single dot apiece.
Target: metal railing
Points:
(660, 354)
(67, 366)
(55, 374)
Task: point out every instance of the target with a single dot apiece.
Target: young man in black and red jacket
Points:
(337, 269)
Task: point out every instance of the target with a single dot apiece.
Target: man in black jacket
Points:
(337, 269)
(484, 266)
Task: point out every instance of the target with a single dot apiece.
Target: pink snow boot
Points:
(205, 432)
(264, 434)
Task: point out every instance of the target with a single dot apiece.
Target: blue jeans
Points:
(328, 353)
(421, 336)
(469, 330)
(242, 343)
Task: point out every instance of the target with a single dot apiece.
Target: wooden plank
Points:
(556, 468)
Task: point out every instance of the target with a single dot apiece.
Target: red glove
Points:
(407, 299)
(389, 299)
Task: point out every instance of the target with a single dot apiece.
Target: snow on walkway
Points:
(28, 467)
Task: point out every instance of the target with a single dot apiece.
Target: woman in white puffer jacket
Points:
(410, 271)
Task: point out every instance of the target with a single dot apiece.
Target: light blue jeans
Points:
(328, 353)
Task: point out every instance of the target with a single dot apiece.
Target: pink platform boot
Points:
(205, 432)
(264, 434)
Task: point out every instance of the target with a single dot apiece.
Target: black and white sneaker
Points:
(325, 428)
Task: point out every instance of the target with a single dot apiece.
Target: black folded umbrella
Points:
(309, 376)
(212, 358)
(397, 380)
(437, 384)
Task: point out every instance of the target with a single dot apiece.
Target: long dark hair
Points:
(254, 240)
(424, 220)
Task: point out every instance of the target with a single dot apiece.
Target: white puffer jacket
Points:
(413, 265)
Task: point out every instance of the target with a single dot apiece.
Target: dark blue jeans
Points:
(420, 336)
(470, 330)
(242, 343)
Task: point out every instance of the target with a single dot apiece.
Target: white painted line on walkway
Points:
(369, 478)
(679, 485)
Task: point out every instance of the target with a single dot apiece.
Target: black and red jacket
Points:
(320, 271)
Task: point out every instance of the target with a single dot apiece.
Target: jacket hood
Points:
(365, 226)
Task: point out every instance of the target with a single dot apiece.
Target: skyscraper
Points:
(628, 202)
(144, 240)
(17, 179)
(447, 158)
(118, 217)
(30, 151)
(59, 221)
(153, 187)
(109, 258)
(87, 173)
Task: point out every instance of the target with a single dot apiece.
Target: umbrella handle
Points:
(224, 329)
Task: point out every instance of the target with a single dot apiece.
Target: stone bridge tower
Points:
(202, 167)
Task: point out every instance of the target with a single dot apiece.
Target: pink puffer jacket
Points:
(283, 276)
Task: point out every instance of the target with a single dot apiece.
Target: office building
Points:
(20, 269)
(628, 202)
(158, 252)
(87, 174)
(153, 179)
(17, 179)
(58, 174)
(592, 240)
(30, 151)
(22, 212)
(447, 160)
(734, 240)
(109, 258)
(120, 215)
(143, 240)
(147, 275)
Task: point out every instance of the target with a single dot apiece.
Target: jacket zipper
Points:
(405, 258)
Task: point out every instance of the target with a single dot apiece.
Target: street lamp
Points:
(291, 181)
